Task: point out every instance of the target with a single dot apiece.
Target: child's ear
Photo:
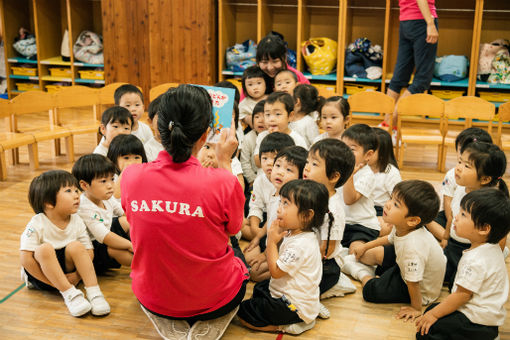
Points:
(307, 215)
(485, 230)
(291, 114)
(413, 221)
(369, 155)
(102, 129)
(335, 177)
(83, 185)
(347, 120)
(484, 180)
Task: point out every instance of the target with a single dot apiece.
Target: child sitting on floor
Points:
(306, 102)
(286, 81)
(254, 86)
(250, 169)
(334, 116)
(114, 121)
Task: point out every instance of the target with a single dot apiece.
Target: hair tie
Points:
(499, 178)
(171, 125)
(474, 139)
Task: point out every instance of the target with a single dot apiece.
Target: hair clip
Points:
(474, 139)
(170, 125)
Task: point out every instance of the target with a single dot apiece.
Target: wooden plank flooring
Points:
(31, 314)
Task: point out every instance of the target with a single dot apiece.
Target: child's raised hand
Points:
(424, 322)
(408, 313)
(275, 233)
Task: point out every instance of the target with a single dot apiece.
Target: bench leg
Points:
(33, 156)
(70, 148)
(3, 166)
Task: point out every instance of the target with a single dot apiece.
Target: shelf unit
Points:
(48, 20)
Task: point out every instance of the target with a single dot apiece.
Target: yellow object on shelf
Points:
(355, 88)
(447, 94)
(91, 74)
(27, 87)
(501, 97)
(236, 82)
(61, 72)
(24, 71)
(53, 88)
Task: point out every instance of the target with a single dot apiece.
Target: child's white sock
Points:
(75, 301)
(97, 300)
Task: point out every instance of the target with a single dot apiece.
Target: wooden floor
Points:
(30, 314)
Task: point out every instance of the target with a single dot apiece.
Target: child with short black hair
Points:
(476, 306)
(286, 81)
(153, 146)
(361, 224)
(306, 103)
(56, 252)
(334, 117)
(411, 263)
(250, 169)
(289, 301)
(130, 97)
(102, 213)
(254, 86)
(115, 120)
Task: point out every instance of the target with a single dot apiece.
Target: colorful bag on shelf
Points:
(451, 67)
(89, 48)
(500, 72)
(241, 56)
(25, 45)
(487, 54)
(320, 55)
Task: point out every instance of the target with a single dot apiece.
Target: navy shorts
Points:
(102, 261)
(358, 232)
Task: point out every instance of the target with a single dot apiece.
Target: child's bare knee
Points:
(44, 251)
(75, 247)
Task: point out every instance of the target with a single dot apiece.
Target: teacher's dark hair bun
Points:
(185, 113)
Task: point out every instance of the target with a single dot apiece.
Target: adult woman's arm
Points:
(226, 147)
(432, 33)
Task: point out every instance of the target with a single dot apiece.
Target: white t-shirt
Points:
(420, 259)
(246, 107)
(362, 211)
(307, 128)
(320, 137)
(449, 184)
(144, 132)
(298, 140)
(482, 270)
(101, 149)
(250, 170)
(336, 207)
(300, 258)
(384, 184)
(41, 230)
(236, 167)
(99, 220)
(459, 193)
(152, 149)
(262, 192)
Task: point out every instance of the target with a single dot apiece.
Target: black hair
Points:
(259, 108)
(340, 102)
(489, 206)
(294, 76)
(337, 156)
(490, 161)
(154, 107)
(185, 113)
(45, 187)
(228, 85)
(281, 97)
(309, 196)
(126, 88)
(385, 152)
(275, 142)
(363, 135)
(253, 72)
(92, 166)
(123, 145)
(272, 46)
(419, 197)
(116, 114)
(471, 134)
(308, 97)
(295, 155)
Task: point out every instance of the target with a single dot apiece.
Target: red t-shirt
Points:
(181, 215)
(409, 10)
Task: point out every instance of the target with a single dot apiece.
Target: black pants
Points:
(330, 275)
(456, 326)
(453, 252)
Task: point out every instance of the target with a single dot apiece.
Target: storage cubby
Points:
(280, 16)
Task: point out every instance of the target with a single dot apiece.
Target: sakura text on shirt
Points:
(167, 206)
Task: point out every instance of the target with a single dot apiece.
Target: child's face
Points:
(207, 156)
(464, 226)
(67, 200)
(332, 120)
(258, 122)
(315, 169)
(285, 82)
(256, 87)
(360, 156)
(288, 215)
(271, 66)
(133, 103)
(283, 172)
(99, 189)
(395, 212)
(465, 173)
(267, 162)
(124, 161)
(276, 117)
(113, 129)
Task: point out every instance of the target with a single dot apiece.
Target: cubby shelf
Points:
(21, 60)
(89, 81)
(15, 76)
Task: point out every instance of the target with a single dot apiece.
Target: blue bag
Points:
(451, 67)
(241, 56)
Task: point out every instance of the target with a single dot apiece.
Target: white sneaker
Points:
(168, 328)
(324, 312)
(24, 278)
(76, 302)
(297, 328)
(342, 287)
(211, 329)
(97, 301)
(356, 269)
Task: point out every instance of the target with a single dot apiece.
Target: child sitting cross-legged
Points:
(411, 261)
(56, 252)
(102, 213)
(476, 306)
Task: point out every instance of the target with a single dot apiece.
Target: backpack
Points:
(500, 70)
(89, 48)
